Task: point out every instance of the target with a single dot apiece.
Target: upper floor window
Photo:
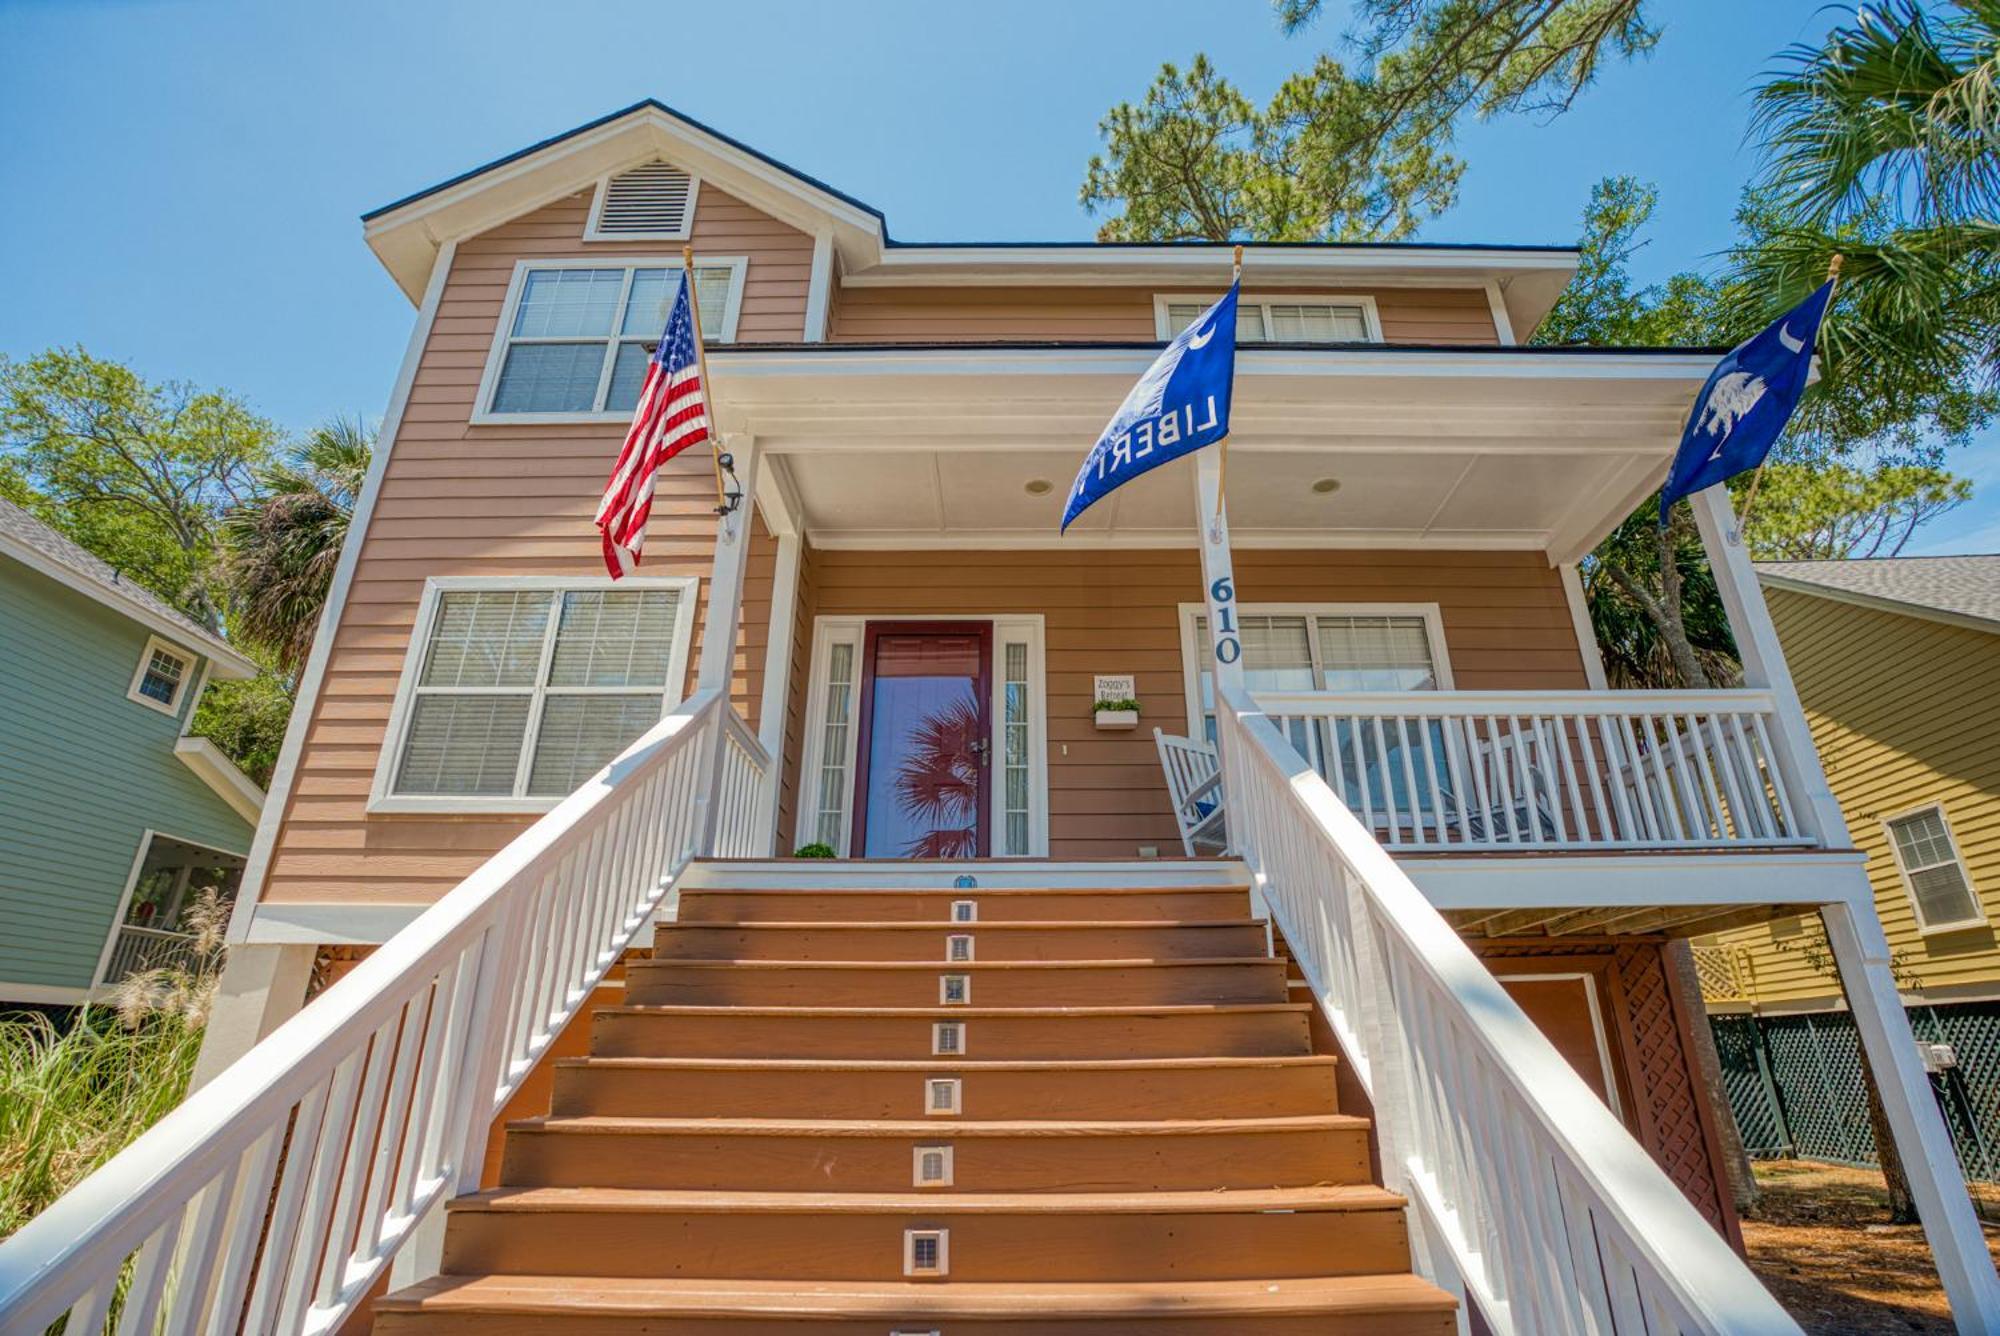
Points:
(1279, 319)
(1933, 872)
(162, 676)
(575, 336)
(518, 690)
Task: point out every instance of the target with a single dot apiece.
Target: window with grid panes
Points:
(580, 339)
(1282, 321)
(1939, 887)
(529, 692)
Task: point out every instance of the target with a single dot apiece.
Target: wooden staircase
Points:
(1012, 1108)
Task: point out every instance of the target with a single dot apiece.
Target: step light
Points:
(947, 1038)
(943, 1095)
(965, 911)
(954, 990)
(958, 947)
(926, 1252)
(932, 1167)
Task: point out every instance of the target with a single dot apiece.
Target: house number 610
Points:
(1228, 649)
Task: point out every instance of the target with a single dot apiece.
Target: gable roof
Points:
(408, 234)
(1963, 590)
(36, 545)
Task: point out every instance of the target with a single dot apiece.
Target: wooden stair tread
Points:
(979, 892)
(1224, 1201)
(933, 1064)
(962, 1013)
(571, 1296)
(957, 1129)
(956, 966)
(950, 925)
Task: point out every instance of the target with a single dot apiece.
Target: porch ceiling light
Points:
(1039, 487)
(1325, 486)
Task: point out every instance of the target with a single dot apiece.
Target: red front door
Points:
(923, 779)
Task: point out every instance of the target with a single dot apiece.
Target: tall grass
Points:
(74, 1095)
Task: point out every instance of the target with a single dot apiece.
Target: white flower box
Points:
(1117, 718)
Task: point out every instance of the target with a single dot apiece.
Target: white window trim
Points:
(489, 379)
(381, 798)
(1192, 653)
(590, 232)
(1978, 919)
(831, 630)
(172, 709)
(1370, 316)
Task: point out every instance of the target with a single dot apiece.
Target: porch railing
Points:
(274, 1197)
(137, 950)
(1483, 770)
(1526, 1190)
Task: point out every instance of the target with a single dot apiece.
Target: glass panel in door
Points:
(925, 742)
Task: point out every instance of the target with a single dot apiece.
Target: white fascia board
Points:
(220, 773)
(928, 266)
(1635, 879)
(228, 662)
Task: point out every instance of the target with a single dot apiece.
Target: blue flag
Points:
(1746, 403)
(1178, 406)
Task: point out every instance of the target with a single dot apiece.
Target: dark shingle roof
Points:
(1967, 586)
(28, 539)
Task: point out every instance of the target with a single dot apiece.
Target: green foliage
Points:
(284, 544)
(1126, 703)
(247, 720)
(814, 850)
(1829, 509)
(1196, 160)
(135, 471)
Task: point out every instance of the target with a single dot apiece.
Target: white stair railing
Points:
(1526, 1190)
(273, 1199)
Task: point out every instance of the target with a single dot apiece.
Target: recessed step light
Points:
(947, 1038)
(931, 1167)
(964, 911)
(926, 1252)
(958, 947)
(954, 990)
(943, 1094)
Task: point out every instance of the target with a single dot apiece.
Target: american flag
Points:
(672, 415)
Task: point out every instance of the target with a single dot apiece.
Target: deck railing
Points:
(272, 1200)
(1484, 770)
(137, 950)
(1526, 1190)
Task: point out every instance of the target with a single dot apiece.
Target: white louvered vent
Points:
(932, 1167)
(650, 203)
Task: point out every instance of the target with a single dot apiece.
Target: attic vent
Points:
(650, 203)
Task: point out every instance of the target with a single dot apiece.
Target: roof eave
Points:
(1880, 603)
(228, 663)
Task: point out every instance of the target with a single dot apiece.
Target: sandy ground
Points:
(1817, 1239)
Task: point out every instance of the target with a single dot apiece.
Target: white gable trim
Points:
(217, 771)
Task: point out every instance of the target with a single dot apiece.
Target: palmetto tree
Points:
(284, 545)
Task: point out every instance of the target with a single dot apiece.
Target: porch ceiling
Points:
(912, 448)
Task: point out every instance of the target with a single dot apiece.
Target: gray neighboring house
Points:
(113, 818)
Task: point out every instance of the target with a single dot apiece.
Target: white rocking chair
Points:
(1194, 782)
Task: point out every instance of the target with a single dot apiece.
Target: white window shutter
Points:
(653, 202)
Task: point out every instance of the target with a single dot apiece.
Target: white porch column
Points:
(780, 513)
(1860, 950)
(1218, 591)
(725, 613)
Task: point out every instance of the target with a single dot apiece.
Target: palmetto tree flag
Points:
(1178, 406)
(1748, 399)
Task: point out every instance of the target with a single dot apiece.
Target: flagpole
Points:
(1222, 446)
(707, 388)
(1750, 497)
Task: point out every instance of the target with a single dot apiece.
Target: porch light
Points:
(1326, 486)
(1039, 487)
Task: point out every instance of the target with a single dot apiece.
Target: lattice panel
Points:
(1746, 1084)
(1665, 1079)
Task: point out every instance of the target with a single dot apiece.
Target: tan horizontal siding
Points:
(1114, 315)
(1905, 712)
(1506, 625)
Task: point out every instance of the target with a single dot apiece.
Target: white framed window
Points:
(1280, 318)
(160, 682)
(1019, 713)
(1934, 875)
(651, 202)
(1319, 647)
(516, 690)
(575, 335)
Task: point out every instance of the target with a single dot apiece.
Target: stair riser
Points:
(845, 1246)
(667, 982)
(637, 1324)
(1073, 1163)
(697, 941)
(667, 1035)
(935, 906)
(1055, 1093)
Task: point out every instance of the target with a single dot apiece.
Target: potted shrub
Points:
(1117, 713)
(814, 850)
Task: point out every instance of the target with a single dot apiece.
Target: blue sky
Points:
(185, 176)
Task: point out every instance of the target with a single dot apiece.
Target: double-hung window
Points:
(162, 676)
(1279, 319)
(1940, 890)
(516, 691)
(575, 337)
(1392, 649)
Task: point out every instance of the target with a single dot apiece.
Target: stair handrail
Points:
(274, 1197)
(1527, 1192)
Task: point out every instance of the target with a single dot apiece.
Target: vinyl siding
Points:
(1904, 712)
(1506, 625)
(1115, 315)
(84, 772)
